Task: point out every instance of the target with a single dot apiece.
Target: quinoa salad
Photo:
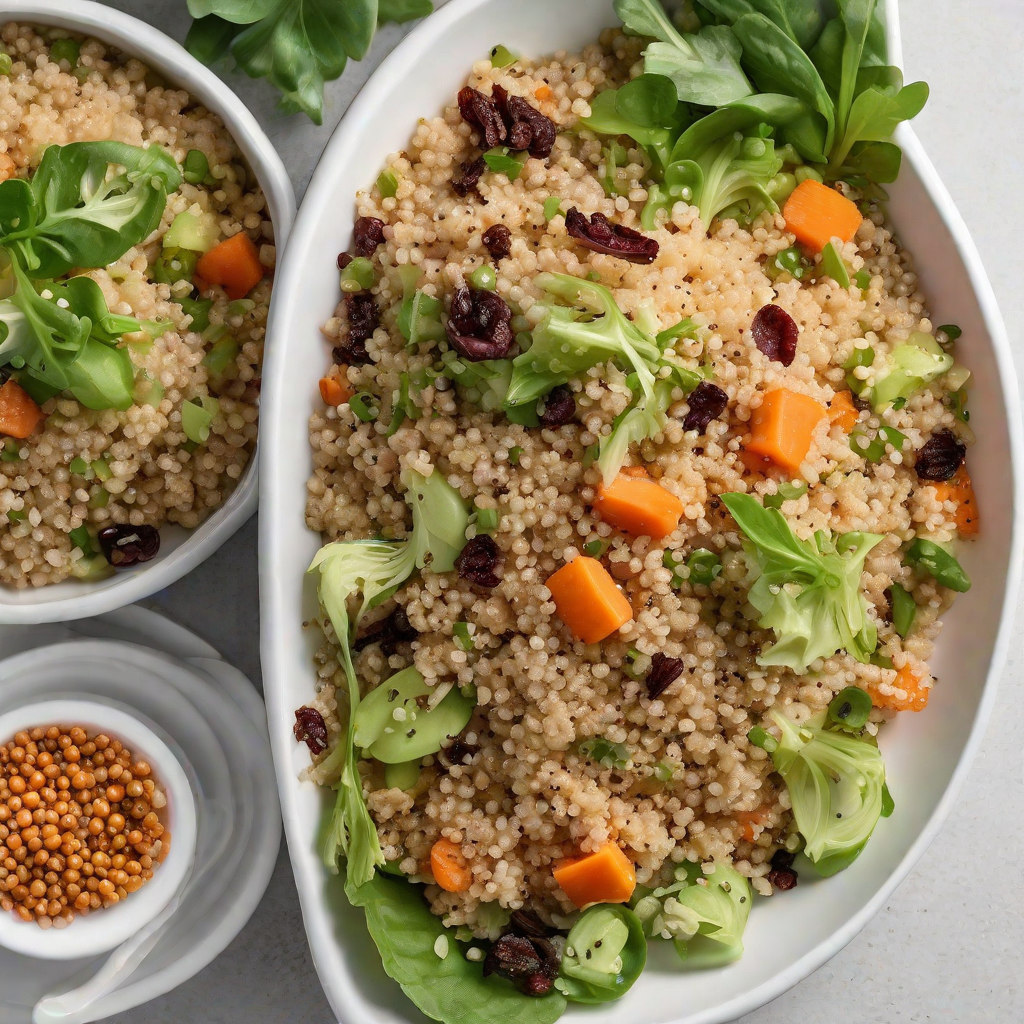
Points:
(641, 470)
(137, 255)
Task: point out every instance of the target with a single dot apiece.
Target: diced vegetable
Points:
(842, 412)
(174, 265)
(960, 491)
(587, 599)
(387, 184)
(449, 867)
(816, 214)
(850, 708)
(638, 506)
(194, 232)
(943, 567)
(419, 318)
(501, 56)
(603, 877)
(199, 310)
(196, 168)
(501, 161)
(484, 278)
(462, 636)
(196, 418)
(788, 491)
(909, 691)
(552, 207)
(605, 752)
(65, 49)
(364, 406)
(833, 265)
(358, 276)
(909, 367)
(605, 952)
(335, 391)
(705, 567)
(221, 356)
(808, 591)
(19, 415)
(234, 264)
(704, 914)
(903, 608)
(782, 427)
(835, 783)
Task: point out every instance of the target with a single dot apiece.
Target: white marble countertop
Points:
(949, 944)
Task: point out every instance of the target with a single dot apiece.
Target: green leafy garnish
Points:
(376, 569)
(501, 161)
(808, 592)
(297, 44)
(449, 988)
(835, 783)
(606, 753)
(704, 915)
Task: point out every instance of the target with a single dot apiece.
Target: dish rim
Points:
(364, 108)
(159, 51)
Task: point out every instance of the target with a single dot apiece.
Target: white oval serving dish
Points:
(927, 755)
(181, 550)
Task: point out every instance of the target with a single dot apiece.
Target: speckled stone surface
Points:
(949, 945)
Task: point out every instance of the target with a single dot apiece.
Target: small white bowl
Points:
(102, 930)
(181, 550)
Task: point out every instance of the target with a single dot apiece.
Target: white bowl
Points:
(927, 755)
(102, 930)
(181, 550)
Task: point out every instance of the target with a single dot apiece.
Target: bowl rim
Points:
(159, 51)
(101, 931)
(364, 107)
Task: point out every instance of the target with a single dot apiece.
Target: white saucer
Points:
(214, 714)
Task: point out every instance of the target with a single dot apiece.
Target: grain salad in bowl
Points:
(138, 253)
(640, 468)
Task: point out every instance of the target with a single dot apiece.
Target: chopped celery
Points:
(197, 232)
(387, 184)
(196, 418)
(221, 355)
(552, 207)
(364, 406)
(502, 57)
(199, 310)
(501, 161)
(463, 636)
(833, 265)
(358, 275)
(173, 265)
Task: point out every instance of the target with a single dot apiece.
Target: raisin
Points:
(363, 318)
(498, 240)
(525, 922)
(941, 456)
(559, 407)
(126, 545)
(599, 235)
(310, 729)
(663, 673)
(389, 633)
(782, 875)
(775, 334)
(482, 112)
(367, 235)
(530, 963)
(480, 561)
(344, 259)
(707, 402)
(527, 127)
(479, 324)
(471, 175)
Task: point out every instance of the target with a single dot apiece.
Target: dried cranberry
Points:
(480, 561)
(482, 112)
(310, 729)
(663, 673)
(126, 545)
(367, 235)
(599, 235)
(457, 751)
(471, 175)
(782, 875)
(707, 402)
(344, 259)
(479, 324)
(775, 334)
(530, 963)
(498, 240)
(559, 407)
(389, 633)
(941, 456)
(527, 127)
(363, 318)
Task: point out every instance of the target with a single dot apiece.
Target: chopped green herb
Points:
(419, 318)
(552, 207)
(903, 608)
(196, 168)
(364, 406)
(197, 416)
(664, 771)
(6, 64)
(484, 278)
(387, 184)
(947, 334)
(788, 261)
(862, 279)
(859, 357)
(102, 469)
(685, 328)
(221, 356)
(788, 491)
(358, 275)
(99, 498)
(606, 753)
(939, 564)
(833, 265)
(596, 548)
(199, 310)
(704, 566)
(636, 664)
(881, 660)
(501, 56)
(81, 468)
(65, 49)
(82, 539)
(873, 448)
(16, 515)
(514, 455)
(463, 636)
(850, 708)
(500, 161)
